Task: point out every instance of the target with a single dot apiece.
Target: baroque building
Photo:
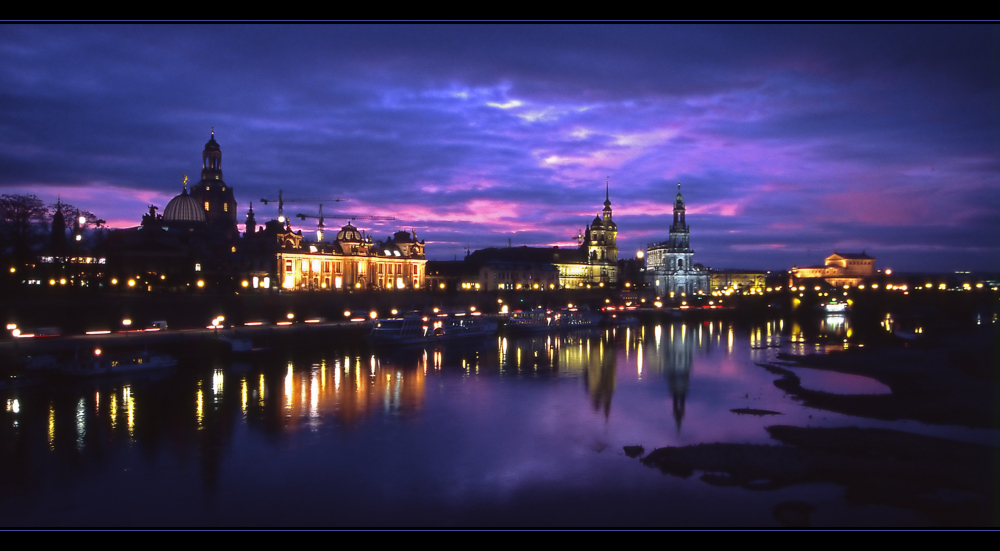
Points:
(212, 193)
(840, 269)
(670, 267)
(195, 242)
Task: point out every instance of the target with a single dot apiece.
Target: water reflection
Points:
(521, 412)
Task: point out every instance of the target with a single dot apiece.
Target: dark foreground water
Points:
(518, 431)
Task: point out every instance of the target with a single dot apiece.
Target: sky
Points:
(790, 141)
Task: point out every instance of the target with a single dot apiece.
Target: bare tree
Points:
(20, 216)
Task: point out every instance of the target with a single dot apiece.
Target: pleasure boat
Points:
(415, 328)
(113, 365)
(541, 319)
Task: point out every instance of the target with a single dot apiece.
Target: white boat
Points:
(113, 365)
(415, 328)
(541, 319)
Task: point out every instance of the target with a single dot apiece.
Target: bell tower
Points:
(214, 196)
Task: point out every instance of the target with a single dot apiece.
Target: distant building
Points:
(670, 267)
(737, 281)
(840, 269)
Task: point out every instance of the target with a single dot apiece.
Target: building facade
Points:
(670, 268)
(840, 269)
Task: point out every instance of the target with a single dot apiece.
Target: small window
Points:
(206, 206)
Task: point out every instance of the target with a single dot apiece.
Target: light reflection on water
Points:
(502, 432)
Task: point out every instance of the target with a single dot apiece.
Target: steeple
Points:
(58, 230)
(251, 225)
(607, 201)
(679, 224)
(211, 160)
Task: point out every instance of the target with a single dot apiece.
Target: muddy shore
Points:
(947, 482)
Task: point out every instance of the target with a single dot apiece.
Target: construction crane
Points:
(320, 226)
(281, 203)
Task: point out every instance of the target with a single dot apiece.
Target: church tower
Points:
(214, 195)
(602, 236)
(679, 251)
(670, 267)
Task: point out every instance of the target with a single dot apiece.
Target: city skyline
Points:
(790, 141)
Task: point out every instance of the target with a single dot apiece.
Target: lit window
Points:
(225, 207)
(206, 205)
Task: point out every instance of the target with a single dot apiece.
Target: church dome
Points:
(183, 208)
(211, 144)
(349, 233)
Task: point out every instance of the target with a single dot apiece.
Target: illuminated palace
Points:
(594, 262)
(840, 269)
(196, 241)
(669, 264)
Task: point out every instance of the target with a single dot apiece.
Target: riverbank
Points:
(949, 483)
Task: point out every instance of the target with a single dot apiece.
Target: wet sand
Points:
(949, 483)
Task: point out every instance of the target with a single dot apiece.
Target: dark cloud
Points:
(790, 140)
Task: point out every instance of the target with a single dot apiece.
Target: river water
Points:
(516, 431)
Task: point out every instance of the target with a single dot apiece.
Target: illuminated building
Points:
(840, 269)
(278, 257)
(669, 264)
(196, 240)
(737, 281)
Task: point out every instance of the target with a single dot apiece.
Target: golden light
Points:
(201, 283)
(126, 322)
(13, 269)
(11, 326)
(639, 254)
(888, 271)
(373, 314)
(131, 283)
(347, 313)
(114, 281)
(394, 311)
(97, 351)
(290, 316)
(246, 283)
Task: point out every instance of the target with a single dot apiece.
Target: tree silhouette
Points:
(20, 218)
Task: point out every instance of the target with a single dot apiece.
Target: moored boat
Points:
(542, 319)
(415, 328)
(113, 365)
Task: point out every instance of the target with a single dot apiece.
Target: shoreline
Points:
(948, 482)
